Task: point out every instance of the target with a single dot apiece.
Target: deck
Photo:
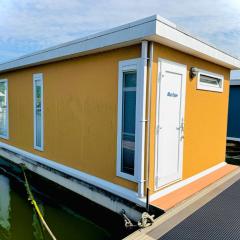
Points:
(182, 216)
(172, 199)
(218, 219)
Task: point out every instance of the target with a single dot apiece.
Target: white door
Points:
(170, 122)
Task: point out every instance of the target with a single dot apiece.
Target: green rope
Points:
(34, 203)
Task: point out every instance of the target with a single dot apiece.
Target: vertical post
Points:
(142, 116)
(149, 87)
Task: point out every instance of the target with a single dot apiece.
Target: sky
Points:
(30, 25)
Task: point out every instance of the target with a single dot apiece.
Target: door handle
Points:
(158, 129)
(181, 127)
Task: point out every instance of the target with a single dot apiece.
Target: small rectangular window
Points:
(210, 81)
(4, 108)
(128, 136)
(38, 111)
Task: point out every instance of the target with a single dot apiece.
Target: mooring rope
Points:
(34, 203)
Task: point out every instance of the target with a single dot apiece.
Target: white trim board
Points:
(180, 40)
(98, 182)
(185, 182)
(233, 139)
(154, 28)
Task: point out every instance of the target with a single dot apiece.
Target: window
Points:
(127, 111)
(210, 81)
(4, 108)
(128, 122)
(38, 111)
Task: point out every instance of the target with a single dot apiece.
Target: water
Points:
(69, 220)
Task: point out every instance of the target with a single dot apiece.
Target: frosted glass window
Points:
(3, 108)
(210, 81)
(38, 112)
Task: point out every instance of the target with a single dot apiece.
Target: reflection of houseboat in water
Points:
(8, 216)
(66, 213)
(5, 206)
(12, 219)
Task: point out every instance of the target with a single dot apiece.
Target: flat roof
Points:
(154, 28)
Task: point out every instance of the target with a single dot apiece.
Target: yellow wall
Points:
(80, 111)
(205, 116)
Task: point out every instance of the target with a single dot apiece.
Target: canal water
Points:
(69, 216)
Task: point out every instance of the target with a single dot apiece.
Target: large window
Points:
(127, 111)
(38, 111)
(4, 108)
(210, 81)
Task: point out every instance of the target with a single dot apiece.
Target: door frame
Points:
(182, 116)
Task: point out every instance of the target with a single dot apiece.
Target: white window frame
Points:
(125, 66)
(209, 87)
(7, 135)
(38, 77)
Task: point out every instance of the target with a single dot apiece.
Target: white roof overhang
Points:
(154, 28)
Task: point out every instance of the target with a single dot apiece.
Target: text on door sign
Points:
(172, 94)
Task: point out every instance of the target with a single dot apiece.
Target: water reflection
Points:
(18, 221)
(5, 207)
(4, 202)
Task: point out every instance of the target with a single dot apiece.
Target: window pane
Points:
(38, 96)
(128, 152)
(129, 79)
(128, 122)
(38, 127)
(129, 111)
(38, 113)
(3, 109)
(210, 80)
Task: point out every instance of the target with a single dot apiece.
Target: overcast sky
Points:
(30, 25)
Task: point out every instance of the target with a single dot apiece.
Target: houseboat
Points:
(120, 117)
(234, 111)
